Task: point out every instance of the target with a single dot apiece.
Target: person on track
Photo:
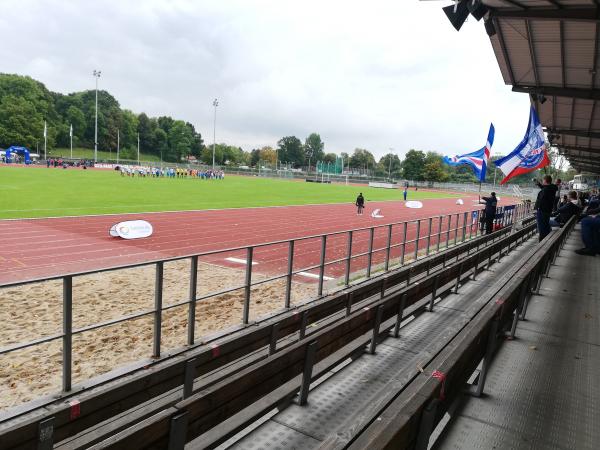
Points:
(405, 191)
(360, 204)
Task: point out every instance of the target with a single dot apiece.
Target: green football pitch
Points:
(42, 192)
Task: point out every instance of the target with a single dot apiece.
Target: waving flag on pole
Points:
(529, 155)
(477, 160)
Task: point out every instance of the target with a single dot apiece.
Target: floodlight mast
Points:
(215, 104)
(96, 76)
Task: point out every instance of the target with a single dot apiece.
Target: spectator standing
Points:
(557, 197)
(360, 204)
(405, 191)
(489, 213)
(544, 204)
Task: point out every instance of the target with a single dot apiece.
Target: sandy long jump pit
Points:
(32, 311)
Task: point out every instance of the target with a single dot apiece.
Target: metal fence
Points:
(335, 261)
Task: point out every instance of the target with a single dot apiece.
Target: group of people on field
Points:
(63, 163)
(170, 172)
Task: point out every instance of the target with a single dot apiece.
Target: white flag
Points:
(45, 131)
(71, 131)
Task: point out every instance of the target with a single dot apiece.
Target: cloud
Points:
(382, 75)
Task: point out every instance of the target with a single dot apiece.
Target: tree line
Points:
(25, 103)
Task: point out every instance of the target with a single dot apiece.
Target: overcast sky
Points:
(375, 75)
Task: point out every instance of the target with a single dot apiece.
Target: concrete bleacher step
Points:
(366, 381)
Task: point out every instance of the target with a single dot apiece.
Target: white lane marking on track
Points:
(239, 260)
(313, 275)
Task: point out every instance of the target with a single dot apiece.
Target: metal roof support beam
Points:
(552, 91)
(515, 3)
(580, 133)
(585, 168)
(511, 75)
(582, 14)
(575, 148)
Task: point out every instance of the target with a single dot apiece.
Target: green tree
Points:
(254, 157)
(362, 159)
(180, 141)
(313, 148)
(21, 123)
(291, 150)
(161, 141)
(413, 165)
(433, 169)
(390, 161)
(329, 158)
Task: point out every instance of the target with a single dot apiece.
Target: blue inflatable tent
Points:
(19, 151)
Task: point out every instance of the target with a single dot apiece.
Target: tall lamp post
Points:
(215, 104)
(96, 76)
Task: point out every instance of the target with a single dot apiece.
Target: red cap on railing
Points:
(442, 377)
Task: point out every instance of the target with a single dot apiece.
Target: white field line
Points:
(239, 260)
(312, 275)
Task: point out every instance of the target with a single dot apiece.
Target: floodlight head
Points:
(490, 29)
(457, 14)
(215, 102)
(477, 9)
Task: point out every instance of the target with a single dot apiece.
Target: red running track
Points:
(37, 248)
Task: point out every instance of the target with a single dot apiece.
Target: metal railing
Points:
(418, 239)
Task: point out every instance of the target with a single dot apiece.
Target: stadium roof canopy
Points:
(549, 49)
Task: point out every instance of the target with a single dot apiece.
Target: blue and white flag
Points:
(478, 160)
(529, 155)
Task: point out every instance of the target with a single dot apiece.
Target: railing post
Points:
(388, 247)
(460, 269)
(487, 359)
(448, 230)
(417, 239)
(403, 244)
(67, 353)
(188, 377)
(464, 227)
(288, 281)
(427, 424)
(349, 301)
(322, 264)
(439, 233)
(46, 434)
(376, 326)
(178, 431)
(433, 293)
(429, 236)
(400, 315)
(456, 229)
(274, 336)
(348, 259)
(370, 257)
(307, 373)
(248, 285)
(158, 293)
(192, 305)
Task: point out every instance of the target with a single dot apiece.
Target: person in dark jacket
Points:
(489, 214)
(566, 211)
(590, 232)
(544, 204)
(360, 204)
